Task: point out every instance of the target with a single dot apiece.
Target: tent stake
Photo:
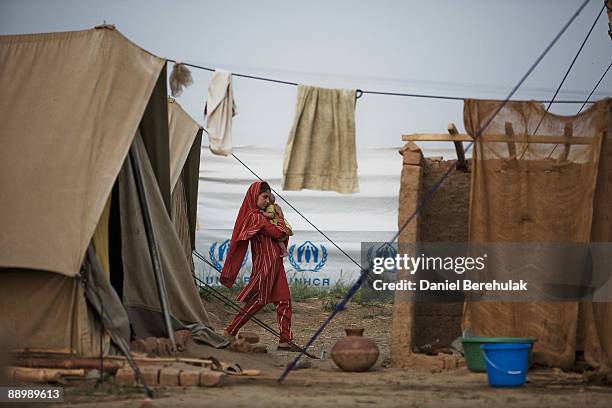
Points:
(152, 244)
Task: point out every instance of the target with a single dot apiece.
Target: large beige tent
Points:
(73, 249)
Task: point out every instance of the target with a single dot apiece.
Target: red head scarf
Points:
(244, 228)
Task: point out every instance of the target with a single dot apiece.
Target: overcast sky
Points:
(465, 48)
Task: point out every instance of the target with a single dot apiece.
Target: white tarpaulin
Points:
(348, 219)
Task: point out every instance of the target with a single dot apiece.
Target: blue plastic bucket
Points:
(507, 363)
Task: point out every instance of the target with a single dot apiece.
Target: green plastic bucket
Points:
(473, 353)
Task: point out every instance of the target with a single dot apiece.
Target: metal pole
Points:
(152, 244)
(123, 346)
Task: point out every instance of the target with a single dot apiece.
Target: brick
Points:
(164, 347)
(450, 362)
(209, 378)
(249, 337)
(151, 345)
(240, 346)
(169, 377)
(413, 158)
(424, 361)
(412, 154)
(182, 338)
(125, 377)
(150, 374)
(139, 345)
(189, 378)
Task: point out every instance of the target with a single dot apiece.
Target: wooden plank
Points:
(436, 137)
(167, 360)
(42, 374)
(67, 363)
(511, 146)
(34, 350)
(461, 163)
(490, 138)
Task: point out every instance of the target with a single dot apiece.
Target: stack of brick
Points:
(173, 375)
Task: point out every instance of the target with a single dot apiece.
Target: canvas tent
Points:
(74, 245)
(185, 142)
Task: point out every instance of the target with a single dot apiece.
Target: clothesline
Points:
(360, 92)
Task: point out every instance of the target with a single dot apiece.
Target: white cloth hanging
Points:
(219, 110)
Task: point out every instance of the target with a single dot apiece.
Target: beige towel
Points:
(320, 152)
(220, 109)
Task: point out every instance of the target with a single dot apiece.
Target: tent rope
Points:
(359, 91)
(565, 77)
(595, 87)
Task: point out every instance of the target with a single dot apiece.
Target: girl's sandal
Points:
(288, 347)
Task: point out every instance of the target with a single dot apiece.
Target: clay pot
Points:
(354, 352)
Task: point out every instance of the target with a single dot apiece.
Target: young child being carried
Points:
(272, 212)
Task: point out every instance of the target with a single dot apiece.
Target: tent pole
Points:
(106, 319)
(152, 244)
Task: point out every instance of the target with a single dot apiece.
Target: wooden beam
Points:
(489, 138)
(436, 137)
(461, 163)
(511, 146)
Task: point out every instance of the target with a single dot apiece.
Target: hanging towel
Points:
(320, 152)
(219, 110)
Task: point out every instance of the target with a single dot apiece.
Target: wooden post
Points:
(511, 146)
(461, 163)
(567, 134)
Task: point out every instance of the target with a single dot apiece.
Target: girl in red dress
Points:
(268, 282)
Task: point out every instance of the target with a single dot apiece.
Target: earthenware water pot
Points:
(355, 352)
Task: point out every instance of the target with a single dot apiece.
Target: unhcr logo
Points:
(382, 251)
(217, 255)
(307, 257)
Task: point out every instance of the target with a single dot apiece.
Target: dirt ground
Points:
(323, 385)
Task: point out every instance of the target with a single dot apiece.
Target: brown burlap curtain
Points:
(542, 192)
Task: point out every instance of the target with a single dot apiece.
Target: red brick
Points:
(182, 338)
(424, 361)
(209, 378)
(151, 345)
(125, 377)
(139, 345)
(189, 378)
(413, 158)
(249, 337)
(150, 374)
(169, 377)
(450, 362)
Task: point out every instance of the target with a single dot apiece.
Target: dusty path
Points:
(323, 385)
